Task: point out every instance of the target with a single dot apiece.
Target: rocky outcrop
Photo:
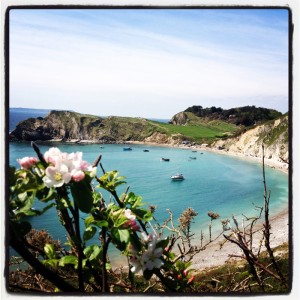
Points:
(59, 125)
(162, 138)
(74, 127)
(273, 135)
(180, 119)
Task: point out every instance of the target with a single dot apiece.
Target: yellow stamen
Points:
(57, 176)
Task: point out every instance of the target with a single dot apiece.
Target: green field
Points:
(199, 132)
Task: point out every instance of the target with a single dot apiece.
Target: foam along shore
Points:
(281, 166)
(214, 256)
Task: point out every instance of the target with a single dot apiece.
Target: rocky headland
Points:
(222, 131)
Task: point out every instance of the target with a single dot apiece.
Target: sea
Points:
(213, 182)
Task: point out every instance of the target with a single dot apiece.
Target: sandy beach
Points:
(213, 256)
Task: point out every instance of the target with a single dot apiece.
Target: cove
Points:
(213, 182)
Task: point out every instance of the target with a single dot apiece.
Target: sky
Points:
(149, 63)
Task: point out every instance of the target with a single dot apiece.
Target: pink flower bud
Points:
(185, 273)
(27, 162)
(132, 225)
(78, 176)
(191, 279)
(136, 227)
(167, 249)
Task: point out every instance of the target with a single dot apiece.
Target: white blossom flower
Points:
(57, 176)
(136, 264)
(65, 167)
(53, 155)
(151, 258)
(129, 215)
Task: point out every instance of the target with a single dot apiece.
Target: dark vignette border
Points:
(138, 7)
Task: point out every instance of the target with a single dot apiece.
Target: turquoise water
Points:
(213, 182)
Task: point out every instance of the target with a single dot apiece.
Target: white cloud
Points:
(51, 65)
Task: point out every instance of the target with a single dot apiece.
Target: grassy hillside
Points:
(198, 130)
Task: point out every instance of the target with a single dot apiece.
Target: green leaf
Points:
(89, 233)
(82, 194)
(142, 214)
(68, 260)
(93, 252)
(124, 235)
(90, 220)
(50, 251)
(110, 180)
(134, 200)
(26, 201)
(136, 242)
(120, 238)
(46, 194)
(51, 262)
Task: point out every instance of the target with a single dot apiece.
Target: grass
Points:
(198, 132)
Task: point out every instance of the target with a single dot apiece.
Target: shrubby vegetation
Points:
(159, 256)
(246, 116)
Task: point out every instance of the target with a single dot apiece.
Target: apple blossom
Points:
(136, 264)
(65, 167)
(133, 225)
(27, 162)
(57, 176)
(129, 215)
(77, 175)
(151, 258)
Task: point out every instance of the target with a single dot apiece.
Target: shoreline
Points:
(218, 257)
(283, 167)
(213, 257)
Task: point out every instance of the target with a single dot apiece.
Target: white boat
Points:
(177, 177)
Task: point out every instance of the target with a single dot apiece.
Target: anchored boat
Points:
(177, 177)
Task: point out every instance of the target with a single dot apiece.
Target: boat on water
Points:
(165, 159)
(146, 150)
(193, 157)
(127, 149)
(177, 177)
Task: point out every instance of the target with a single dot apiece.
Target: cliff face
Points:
(273, 135)
(58, 125)
(75, 127)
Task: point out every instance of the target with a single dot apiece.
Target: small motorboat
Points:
(193, 157)
(127, 149)
(165, 159)
(194, 151)
(177, 177)
(146, 150)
